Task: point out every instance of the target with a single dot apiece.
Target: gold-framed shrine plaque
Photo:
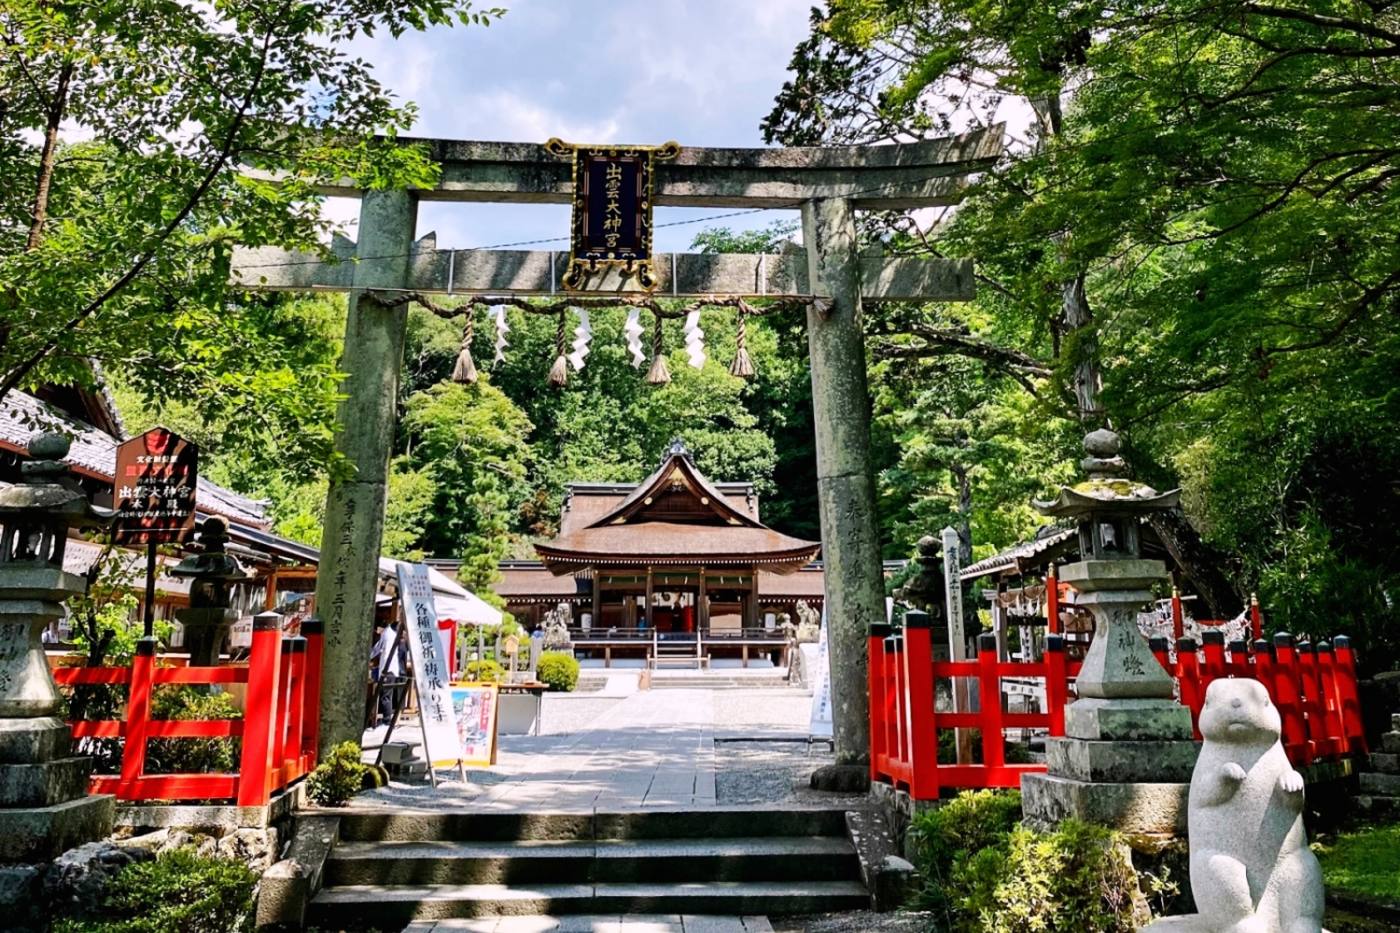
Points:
(611, 227)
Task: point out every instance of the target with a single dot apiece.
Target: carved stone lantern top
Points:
(213, 569)
(1106, 491)
(37, 512)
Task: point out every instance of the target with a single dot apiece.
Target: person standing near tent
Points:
(387, 663)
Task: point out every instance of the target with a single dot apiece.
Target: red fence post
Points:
(890, 652)
(1213, 648)
(1160, 650)
(923, 733)
(1289, 701)
(1263, 659)
(314, 632)
(989, 693)
(1239, 659)
(1056, 683)
(138, 719)
(1314, 716)
(286, 682)
(260, 714)
(875, 645)
(1352, 725)
(1188, 680)
(291, 750)
(1331, 700)
(1178, 617)
(1052, 602)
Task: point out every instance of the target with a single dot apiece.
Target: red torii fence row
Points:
(1314, 688)
(278, 729)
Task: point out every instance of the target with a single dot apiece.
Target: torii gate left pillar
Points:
(830, 185)
(348, 575)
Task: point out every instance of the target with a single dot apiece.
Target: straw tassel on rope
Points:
(742, 365)
(660, 373)
(465, 370)
(559, 372)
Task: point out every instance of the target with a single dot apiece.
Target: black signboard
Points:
(611, 210)
(154, 488)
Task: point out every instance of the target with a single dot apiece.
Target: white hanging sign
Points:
(432, 673)
(820, 726)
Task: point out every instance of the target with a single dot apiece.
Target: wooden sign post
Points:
(154, 493)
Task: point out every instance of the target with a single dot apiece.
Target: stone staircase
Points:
(1380, 786)
(392, 868)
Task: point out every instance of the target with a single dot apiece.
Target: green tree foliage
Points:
(470, 442)
(116, 248)
(1203, 216)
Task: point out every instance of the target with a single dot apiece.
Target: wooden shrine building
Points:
(676, 565)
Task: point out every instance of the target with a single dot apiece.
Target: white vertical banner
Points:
(431, 669)
(820, 725)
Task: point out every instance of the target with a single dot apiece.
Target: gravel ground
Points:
(858, 921)
(772, 772)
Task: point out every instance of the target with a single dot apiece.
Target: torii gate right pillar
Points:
(855, 592)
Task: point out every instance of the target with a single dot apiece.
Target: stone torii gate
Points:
(828, 184)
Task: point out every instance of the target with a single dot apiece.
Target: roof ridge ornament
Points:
(677, 448)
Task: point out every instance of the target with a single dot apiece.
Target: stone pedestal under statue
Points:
(1126, 757)
(45, 808)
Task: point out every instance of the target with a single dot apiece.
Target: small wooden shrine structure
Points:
(675, 559)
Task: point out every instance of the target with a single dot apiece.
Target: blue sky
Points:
(701, 72)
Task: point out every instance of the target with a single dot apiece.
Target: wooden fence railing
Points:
(1314, 688)
(278, 730)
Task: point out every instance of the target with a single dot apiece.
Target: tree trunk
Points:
(1199, 562)
(57, 108)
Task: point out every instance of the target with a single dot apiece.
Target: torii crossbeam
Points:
(828, 184)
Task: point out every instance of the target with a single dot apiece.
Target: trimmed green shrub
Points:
(193, 756)
(559, 670)
(942, 838)
(338, 778)
(486, 672)
(178, 892)
(1078, 879)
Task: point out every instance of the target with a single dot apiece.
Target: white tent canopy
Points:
(450, 599)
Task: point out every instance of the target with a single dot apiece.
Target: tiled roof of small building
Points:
(94, 452)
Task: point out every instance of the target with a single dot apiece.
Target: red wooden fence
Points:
(1314, 688)
(278, 728)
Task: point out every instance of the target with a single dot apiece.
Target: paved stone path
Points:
(654, 748)
(639, 923)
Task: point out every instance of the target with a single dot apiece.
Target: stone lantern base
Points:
(45, 808)
(1134, 780)
(1127, 755)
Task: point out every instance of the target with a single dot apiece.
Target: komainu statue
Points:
(1251, 869)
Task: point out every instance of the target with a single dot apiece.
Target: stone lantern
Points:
(1127, 752)
(44, 805)
(212, 573)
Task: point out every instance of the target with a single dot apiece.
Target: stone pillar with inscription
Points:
(1126, 758)
(348, 575)
(45, 808)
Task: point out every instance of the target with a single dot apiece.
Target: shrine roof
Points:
(674, 516)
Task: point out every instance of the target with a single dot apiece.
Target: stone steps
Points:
(609, 861)
(354, 906)
(395, 867)
(1383, 785)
